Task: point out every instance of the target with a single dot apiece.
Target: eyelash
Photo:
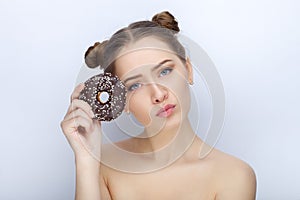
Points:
(135, 86)
(169, 69)
(131, 87)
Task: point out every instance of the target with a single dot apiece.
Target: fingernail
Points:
(92, 113)
(80, 85)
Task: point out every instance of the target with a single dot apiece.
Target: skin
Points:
(216, 176)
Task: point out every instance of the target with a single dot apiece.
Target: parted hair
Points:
(163, 26)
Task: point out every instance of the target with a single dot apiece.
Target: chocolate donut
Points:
(106, 94)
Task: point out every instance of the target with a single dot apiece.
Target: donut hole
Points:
(103, 97)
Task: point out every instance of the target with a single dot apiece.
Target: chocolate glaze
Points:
(106, 82)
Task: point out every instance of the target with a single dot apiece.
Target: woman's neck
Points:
(155, 152)
(168, 139)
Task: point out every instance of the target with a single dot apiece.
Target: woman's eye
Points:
(165, 72)
(134, 86)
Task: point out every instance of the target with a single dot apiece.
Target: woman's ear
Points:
(189, 68)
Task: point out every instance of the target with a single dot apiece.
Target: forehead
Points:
(143, 53)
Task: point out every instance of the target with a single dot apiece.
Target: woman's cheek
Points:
(181, 91)
(139, 107)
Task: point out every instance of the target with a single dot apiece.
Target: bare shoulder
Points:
(235, 179)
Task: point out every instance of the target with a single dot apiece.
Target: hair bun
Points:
(94, 55)
(167, 20)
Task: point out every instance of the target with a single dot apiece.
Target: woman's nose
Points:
(159, 93)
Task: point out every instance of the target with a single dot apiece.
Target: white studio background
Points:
(254, 44)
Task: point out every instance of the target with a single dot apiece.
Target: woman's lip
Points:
(166, 111)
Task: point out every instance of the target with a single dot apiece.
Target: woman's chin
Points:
(162, 124)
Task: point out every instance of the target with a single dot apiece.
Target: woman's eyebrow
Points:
(160, 64)
(133, 77)
(154, 68)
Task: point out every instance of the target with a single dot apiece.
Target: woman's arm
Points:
(84, 136)
(87, 179)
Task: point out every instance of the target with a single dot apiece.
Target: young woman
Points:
(152, 64)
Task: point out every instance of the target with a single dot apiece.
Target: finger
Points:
(71, 125)
(82, 120)
(76, 113)
(77, 91)
(76, 104)
(83, 125)
(68, 127)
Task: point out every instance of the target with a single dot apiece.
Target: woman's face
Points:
(157, 83)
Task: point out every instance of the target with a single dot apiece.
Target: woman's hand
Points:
(83, 133)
